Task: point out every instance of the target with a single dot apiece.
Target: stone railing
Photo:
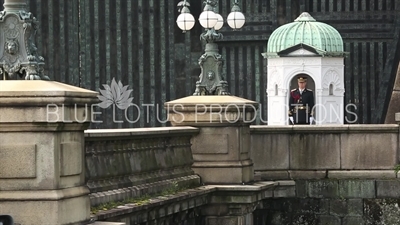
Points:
(343, 174)
(129, 164)
(126, 163)
(306, 152)
(327, 174)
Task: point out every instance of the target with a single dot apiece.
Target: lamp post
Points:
(211, 81)
(19, 58)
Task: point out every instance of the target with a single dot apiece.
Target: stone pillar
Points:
(42, 178)
(14, 5)
(221, 151)
(234, 204)
(19, 58)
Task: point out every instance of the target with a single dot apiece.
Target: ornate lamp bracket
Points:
(211, 36)
(19, 58)
(211, 81)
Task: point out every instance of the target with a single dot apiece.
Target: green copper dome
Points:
(306, 30)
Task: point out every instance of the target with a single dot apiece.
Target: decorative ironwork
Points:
(19, 58)
(211, 81)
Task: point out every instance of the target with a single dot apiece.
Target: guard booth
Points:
(306, 46)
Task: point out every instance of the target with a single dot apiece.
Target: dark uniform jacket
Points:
(301, 105)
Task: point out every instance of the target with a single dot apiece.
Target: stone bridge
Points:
(208, 168)
(303, 175)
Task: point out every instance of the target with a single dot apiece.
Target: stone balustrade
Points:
(341, 151)
(344, 174)
(127, 163)
(333, 174)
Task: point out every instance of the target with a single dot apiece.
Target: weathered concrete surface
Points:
(369, 150)
(314, 151)
(273, 151)
(41, 149)
(221, 151)
(299, 150)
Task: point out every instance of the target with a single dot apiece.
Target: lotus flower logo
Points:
(116, 94)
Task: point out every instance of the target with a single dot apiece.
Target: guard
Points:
(301, 103)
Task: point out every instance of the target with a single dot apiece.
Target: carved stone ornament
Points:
(274, 78)
(211, 81)
(18, 56)
(332, 77)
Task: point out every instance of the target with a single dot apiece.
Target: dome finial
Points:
(305, 16)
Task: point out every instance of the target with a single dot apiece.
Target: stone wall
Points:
(344, 174)
(307, 152)
(316, 175)
(335, 202)
(128, 163)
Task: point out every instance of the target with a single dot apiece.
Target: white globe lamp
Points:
(185, 21)
(220, 22)
(236, 20)
(208, 19)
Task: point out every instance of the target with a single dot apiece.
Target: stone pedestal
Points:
(234, 204)
(221, 151)
(42, 178)
(397, 117)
